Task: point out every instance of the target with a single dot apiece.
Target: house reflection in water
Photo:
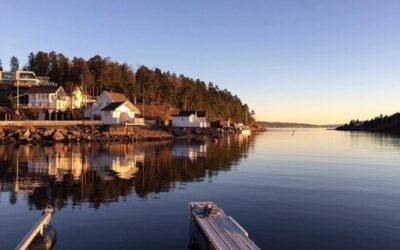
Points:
(120, 160)
(126, 167)
(63, 160)
(57, 162)
(192, 152)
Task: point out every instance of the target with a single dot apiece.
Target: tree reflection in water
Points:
(70, 174)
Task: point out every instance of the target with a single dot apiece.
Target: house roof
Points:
(114, 105)
(43, 89)
(116, 97)
(201, 113)
(186, 113)
(70, 91)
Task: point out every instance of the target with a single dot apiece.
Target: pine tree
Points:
(31, 62)
(14, 64)
(41, 64)
(1, 66)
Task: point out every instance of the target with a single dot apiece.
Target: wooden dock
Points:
(211, 228)
(38, 229)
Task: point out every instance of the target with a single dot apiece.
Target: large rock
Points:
(58, 136)
(48, 133)
(24, 135)
(75, 134)
(36, 137)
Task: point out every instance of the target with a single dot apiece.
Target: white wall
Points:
(102, 101)
(120, 115)
(189, 122)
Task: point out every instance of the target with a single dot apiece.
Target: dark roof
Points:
(112, 106)
(200, 113)
(43, 89)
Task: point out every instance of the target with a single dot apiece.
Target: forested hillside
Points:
(163, 88)
(379, 124)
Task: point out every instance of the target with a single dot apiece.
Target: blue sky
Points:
(290, 60)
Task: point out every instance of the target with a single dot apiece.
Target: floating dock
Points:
(211, 228)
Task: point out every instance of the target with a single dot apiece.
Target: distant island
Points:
(294, 125)
(389, 124)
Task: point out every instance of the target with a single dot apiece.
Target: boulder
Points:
(36, 137)
(75, 133)
(24, 135)
(58, 136)
(10, 140)
(48, 133)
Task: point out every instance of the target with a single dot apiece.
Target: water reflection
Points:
(68, 175)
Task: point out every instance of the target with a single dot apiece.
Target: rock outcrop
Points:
(81, 134)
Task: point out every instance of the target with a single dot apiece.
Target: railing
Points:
(37, 228)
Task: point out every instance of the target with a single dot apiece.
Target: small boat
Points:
(211, 228)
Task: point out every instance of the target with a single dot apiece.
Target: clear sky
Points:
(316, 61)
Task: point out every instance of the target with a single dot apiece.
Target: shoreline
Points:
(100, 133)
(383, 131)
(86, 133)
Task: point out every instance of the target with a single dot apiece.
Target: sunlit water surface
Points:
(316, 189)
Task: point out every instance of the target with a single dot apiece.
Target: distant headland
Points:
(387, 124)
(294, 125)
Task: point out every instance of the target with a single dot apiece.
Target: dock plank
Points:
(222, 231)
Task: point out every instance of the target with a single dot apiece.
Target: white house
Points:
(190, 119)
(238, 126)
(120, 112)
(48, 97)
(105, 98)
(78, 99)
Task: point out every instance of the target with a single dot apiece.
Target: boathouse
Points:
(190, 119)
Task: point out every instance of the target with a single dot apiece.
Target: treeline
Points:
(380, 124)
(162, 88)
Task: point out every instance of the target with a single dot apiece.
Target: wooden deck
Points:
(216, 230)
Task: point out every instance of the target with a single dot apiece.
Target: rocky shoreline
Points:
(15, 135)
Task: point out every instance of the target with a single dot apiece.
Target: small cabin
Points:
(190, 119)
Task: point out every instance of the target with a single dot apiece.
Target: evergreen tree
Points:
(31, 62)
(53, 69)
(41, 64)
(14, 64)
(1, 66)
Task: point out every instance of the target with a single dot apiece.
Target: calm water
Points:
(317, 189)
